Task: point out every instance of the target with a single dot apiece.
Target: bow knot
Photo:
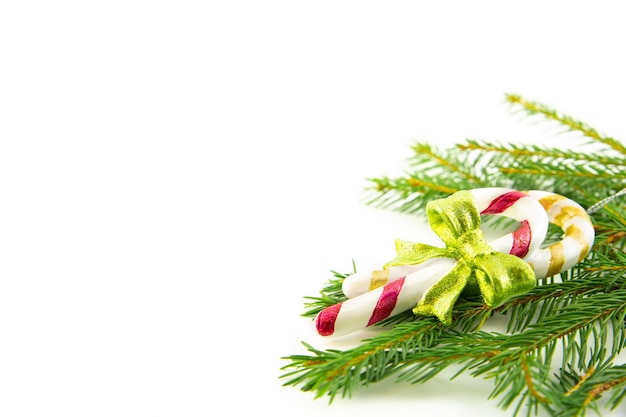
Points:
(479, 268)
(472, 244)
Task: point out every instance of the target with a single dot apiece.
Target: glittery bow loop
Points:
(479, 269)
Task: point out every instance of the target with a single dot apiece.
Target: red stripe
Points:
(521, 240)
(386, 301)
(503, 202)
(325, 320)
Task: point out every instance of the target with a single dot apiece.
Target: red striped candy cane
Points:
(403, 287)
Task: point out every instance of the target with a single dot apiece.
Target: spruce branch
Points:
(585, 175)
(579, 314)
(533, 108)
(539, 153)
(582, 390)
(419, 350)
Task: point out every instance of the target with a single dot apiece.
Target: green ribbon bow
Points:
(479, 269)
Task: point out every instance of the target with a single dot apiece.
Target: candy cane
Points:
(522, 242)
(404, 287)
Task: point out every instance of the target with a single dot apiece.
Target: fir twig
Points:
(540, 153)
(580, 313)
(533, 108)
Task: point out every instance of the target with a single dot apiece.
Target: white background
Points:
(176, 176)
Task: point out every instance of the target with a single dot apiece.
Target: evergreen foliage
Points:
(579, 314)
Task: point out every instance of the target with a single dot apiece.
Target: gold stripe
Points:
(548, 201)
(379, 278)
(578, 235)
(568, 213)
(557, 259)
